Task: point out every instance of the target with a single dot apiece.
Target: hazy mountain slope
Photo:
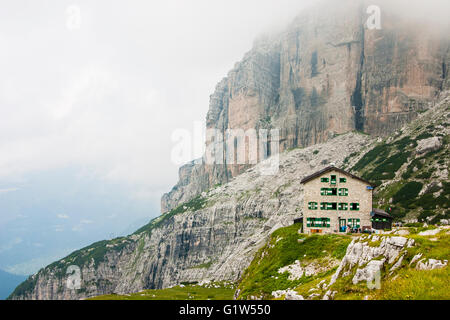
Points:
(411, 167)
(8, 282)
(214, 236)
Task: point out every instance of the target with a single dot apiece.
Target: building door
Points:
(342, 225)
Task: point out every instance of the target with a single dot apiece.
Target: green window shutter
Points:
(323, 191)
(343, 206)
(354, 207)
(343, 192)
(312, 205)
(343, 180)
(323, 206)
(324, 180)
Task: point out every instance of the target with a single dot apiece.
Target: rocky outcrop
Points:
(370, 259)
(428, 145)
(431, 264)
(327, 73)
(298, 269)
(288, 295)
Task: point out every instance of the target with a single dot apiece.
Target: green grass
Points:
(416, 285)
(283, 248)
(193, 205)
(189, 292)
(406, 283)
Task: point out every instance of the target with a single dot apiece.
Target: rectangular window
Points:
(343, 192)
(332, 206)
(354, 223)
(318, 222)
(333, 179)
(323, 206)
(312, 205)
(343, 206)
(342, 180)
(325, 180)
(354, 206)
(328, 192)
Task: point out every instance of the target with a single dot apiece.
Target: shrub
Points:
(408, 192)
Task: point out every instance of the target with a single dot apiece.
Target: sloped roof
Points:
(333, 168)
(380, 212)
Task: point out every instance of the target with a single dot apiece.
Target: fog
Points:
(90, 94)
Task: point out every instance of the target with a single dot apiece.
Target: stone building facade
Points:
(335, 200)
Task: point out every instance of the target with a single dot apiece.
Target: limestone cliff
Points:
(325, 74)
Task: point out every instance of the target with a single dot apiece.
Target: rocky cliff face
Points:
(326, 74)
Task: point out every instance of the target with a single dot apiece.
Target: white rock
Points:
(430, 232)
(415, 258)
(292, 295)
(369, 272)
(431, 264)
(428, 145)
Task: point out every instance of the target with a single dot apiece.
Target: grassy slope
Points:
(188, 292)
(258, 279)
(401, 174)
(283, 248)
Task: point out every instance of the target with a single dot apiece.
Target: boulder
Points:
(369, 272)
(428, 145)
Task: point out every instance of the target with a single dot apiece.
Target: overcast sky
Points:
(105, 90)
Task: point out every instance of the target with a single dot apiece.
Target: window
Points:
(318, 222)
(328, 206)
(354, 223)
(328, 191)
(343, 192)
(333, 179)
(332, 206)
(343, 206)
(342, 180)
(312, 205)
(324, 180)
(354, 206)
